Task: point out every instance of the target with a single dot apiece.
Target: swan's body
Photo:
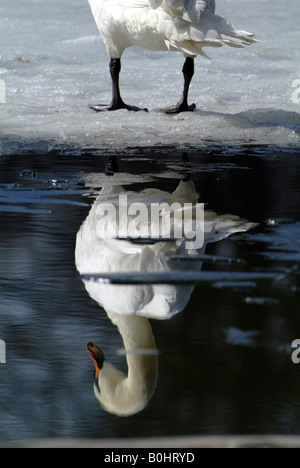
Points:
(97, 251)
(185, 26)
(129, 307)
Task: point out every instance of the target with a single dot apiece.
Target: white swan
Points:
(185, 26)
(129, 307)
(97, 251)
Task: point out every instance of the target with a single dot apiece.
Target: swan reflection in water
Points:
(130, 307)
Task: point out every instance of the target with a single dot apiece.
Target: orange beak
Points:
(97, 357)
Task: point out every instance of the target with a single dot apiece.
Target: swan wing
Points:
(189, 10)
(193, 25)
(137, 3)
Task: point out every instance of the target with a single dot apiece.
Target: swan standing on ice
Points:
(184, 26)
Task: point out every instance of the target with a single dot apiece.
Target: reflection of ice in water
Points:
(129, 307)
(54, 64)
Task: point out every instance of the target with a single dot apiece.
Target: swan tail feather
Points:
(211, 31)
(191, 48)
(227, 30)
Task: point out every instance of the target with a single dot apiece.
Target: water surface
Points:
(224, 361)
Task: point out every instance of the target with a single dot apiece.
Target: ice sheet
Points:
(53, 63)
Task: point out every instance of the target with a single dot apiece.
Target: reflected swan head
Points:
(97, 357)
(127, 394)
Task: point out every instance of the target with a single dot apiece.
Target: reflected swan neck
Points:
(135, 330)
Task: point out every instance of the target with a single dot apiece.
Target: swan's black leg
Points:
(117, 101)
(185, 160)
(111, 165)
(188, 73)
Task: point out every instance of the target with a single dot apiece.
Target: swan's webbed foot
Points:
(117, 101)
(114, 107)
(180, 107)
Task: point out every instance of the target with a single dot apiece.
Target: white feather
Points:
(178, 25)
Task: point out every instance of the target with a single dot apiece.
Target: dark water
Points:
(224, 362)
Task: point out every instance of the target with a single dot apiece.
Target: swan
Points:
(185, 26)
(130, 307)
(98, 251)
